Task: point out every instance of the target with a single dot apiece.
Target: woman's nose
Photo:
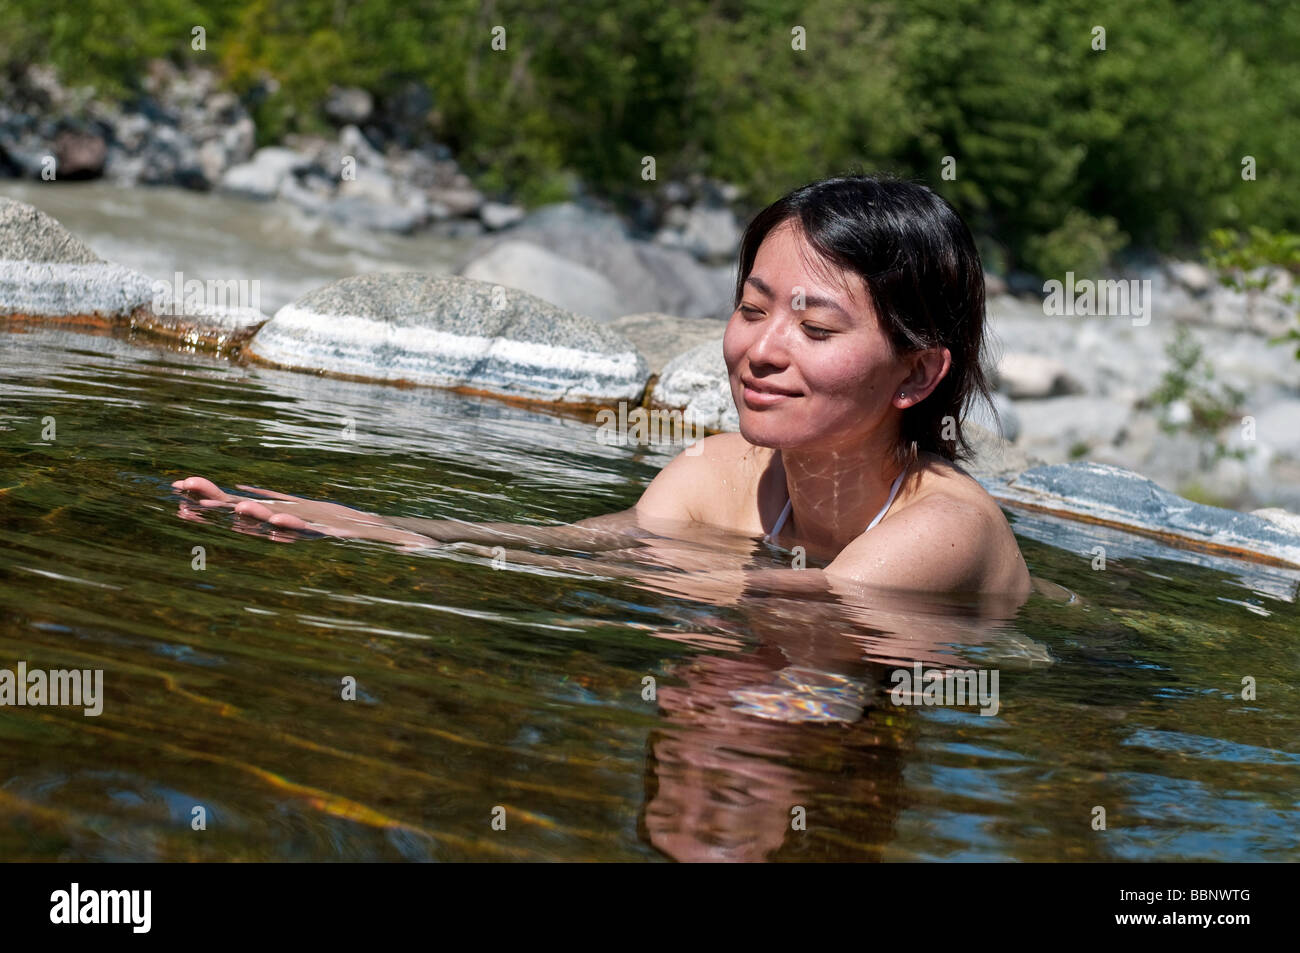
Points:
(769, 346)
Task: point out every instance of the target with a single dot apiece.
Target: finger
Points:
(225, 504)
(254, 509)
(202, 487)
(288, 521)
(271, 493)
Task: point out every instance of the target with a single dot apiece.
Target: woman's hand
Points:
(286, 512)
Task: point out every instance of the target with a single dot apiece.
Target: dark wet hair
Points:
(924, 275)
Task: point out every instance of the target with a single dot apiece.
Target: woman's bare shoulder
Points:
(703, 479)
(949, 534)
(942, 483)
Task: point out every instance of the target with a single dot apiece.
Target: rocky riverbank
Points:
(489, 337)
(1072, 383)
(184, 130)
(1069, 387)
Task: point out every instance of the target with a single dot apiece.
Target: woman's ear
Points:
(928, 368)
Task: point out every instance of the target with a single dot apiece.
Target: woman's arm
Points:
(612, 531)
(666, 507)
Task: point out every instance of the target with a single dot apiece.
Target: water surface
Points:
(522, 688)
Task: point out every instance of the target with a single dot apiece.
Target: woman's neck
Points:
(835, 492)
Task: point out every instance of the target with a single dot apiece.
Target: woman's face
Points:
(831, 357)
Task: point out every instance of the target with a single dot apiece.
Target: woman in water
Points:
(853, 351)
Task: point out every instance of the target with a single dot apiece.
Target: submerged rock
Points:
(451, 331)
(1114, 496)
(209, 324)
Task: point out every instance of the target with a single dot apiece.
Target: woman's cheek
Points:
(732, 346)
(854, 379)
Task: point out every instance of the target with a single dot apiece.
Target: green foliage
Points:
(1082, 244)
(1190, 382)
(1246, 262)
(1062, 152)
(779, 116)
(103, 43)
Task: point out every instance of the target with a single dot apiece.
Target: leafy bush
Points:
(1247, 262)
(1188, 399)
(1061, 150)
(1082, 244)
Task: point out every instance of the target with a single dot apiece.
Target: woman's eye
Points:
(817, 334)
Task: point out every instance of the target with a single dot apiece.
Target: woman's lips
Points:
(758, 398)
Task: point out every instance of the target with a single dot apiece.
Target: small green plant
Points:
(1082, 243)
(1189, 400)
(1245, 261)
(1197, 493)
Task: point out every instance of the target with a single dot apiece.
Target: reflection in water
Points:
(792, 750)
(724, 785)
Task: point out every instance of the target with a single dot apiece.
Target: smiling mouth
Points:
(765, 390)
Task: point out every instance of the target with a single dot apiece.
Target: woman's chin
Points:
(763, 434)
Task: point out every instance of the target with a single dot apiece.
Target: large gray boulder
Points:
(564, 283)
(49, 275)
(661, 337)
(696, 382)
(45, 272)
(454, 332)
(1113, 496)
(647, 276)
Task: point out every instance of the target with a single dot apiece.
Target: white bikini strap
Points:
(893, 492)
(780, 521)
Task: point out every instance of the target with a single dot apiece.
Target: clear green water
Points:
(480, 688)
